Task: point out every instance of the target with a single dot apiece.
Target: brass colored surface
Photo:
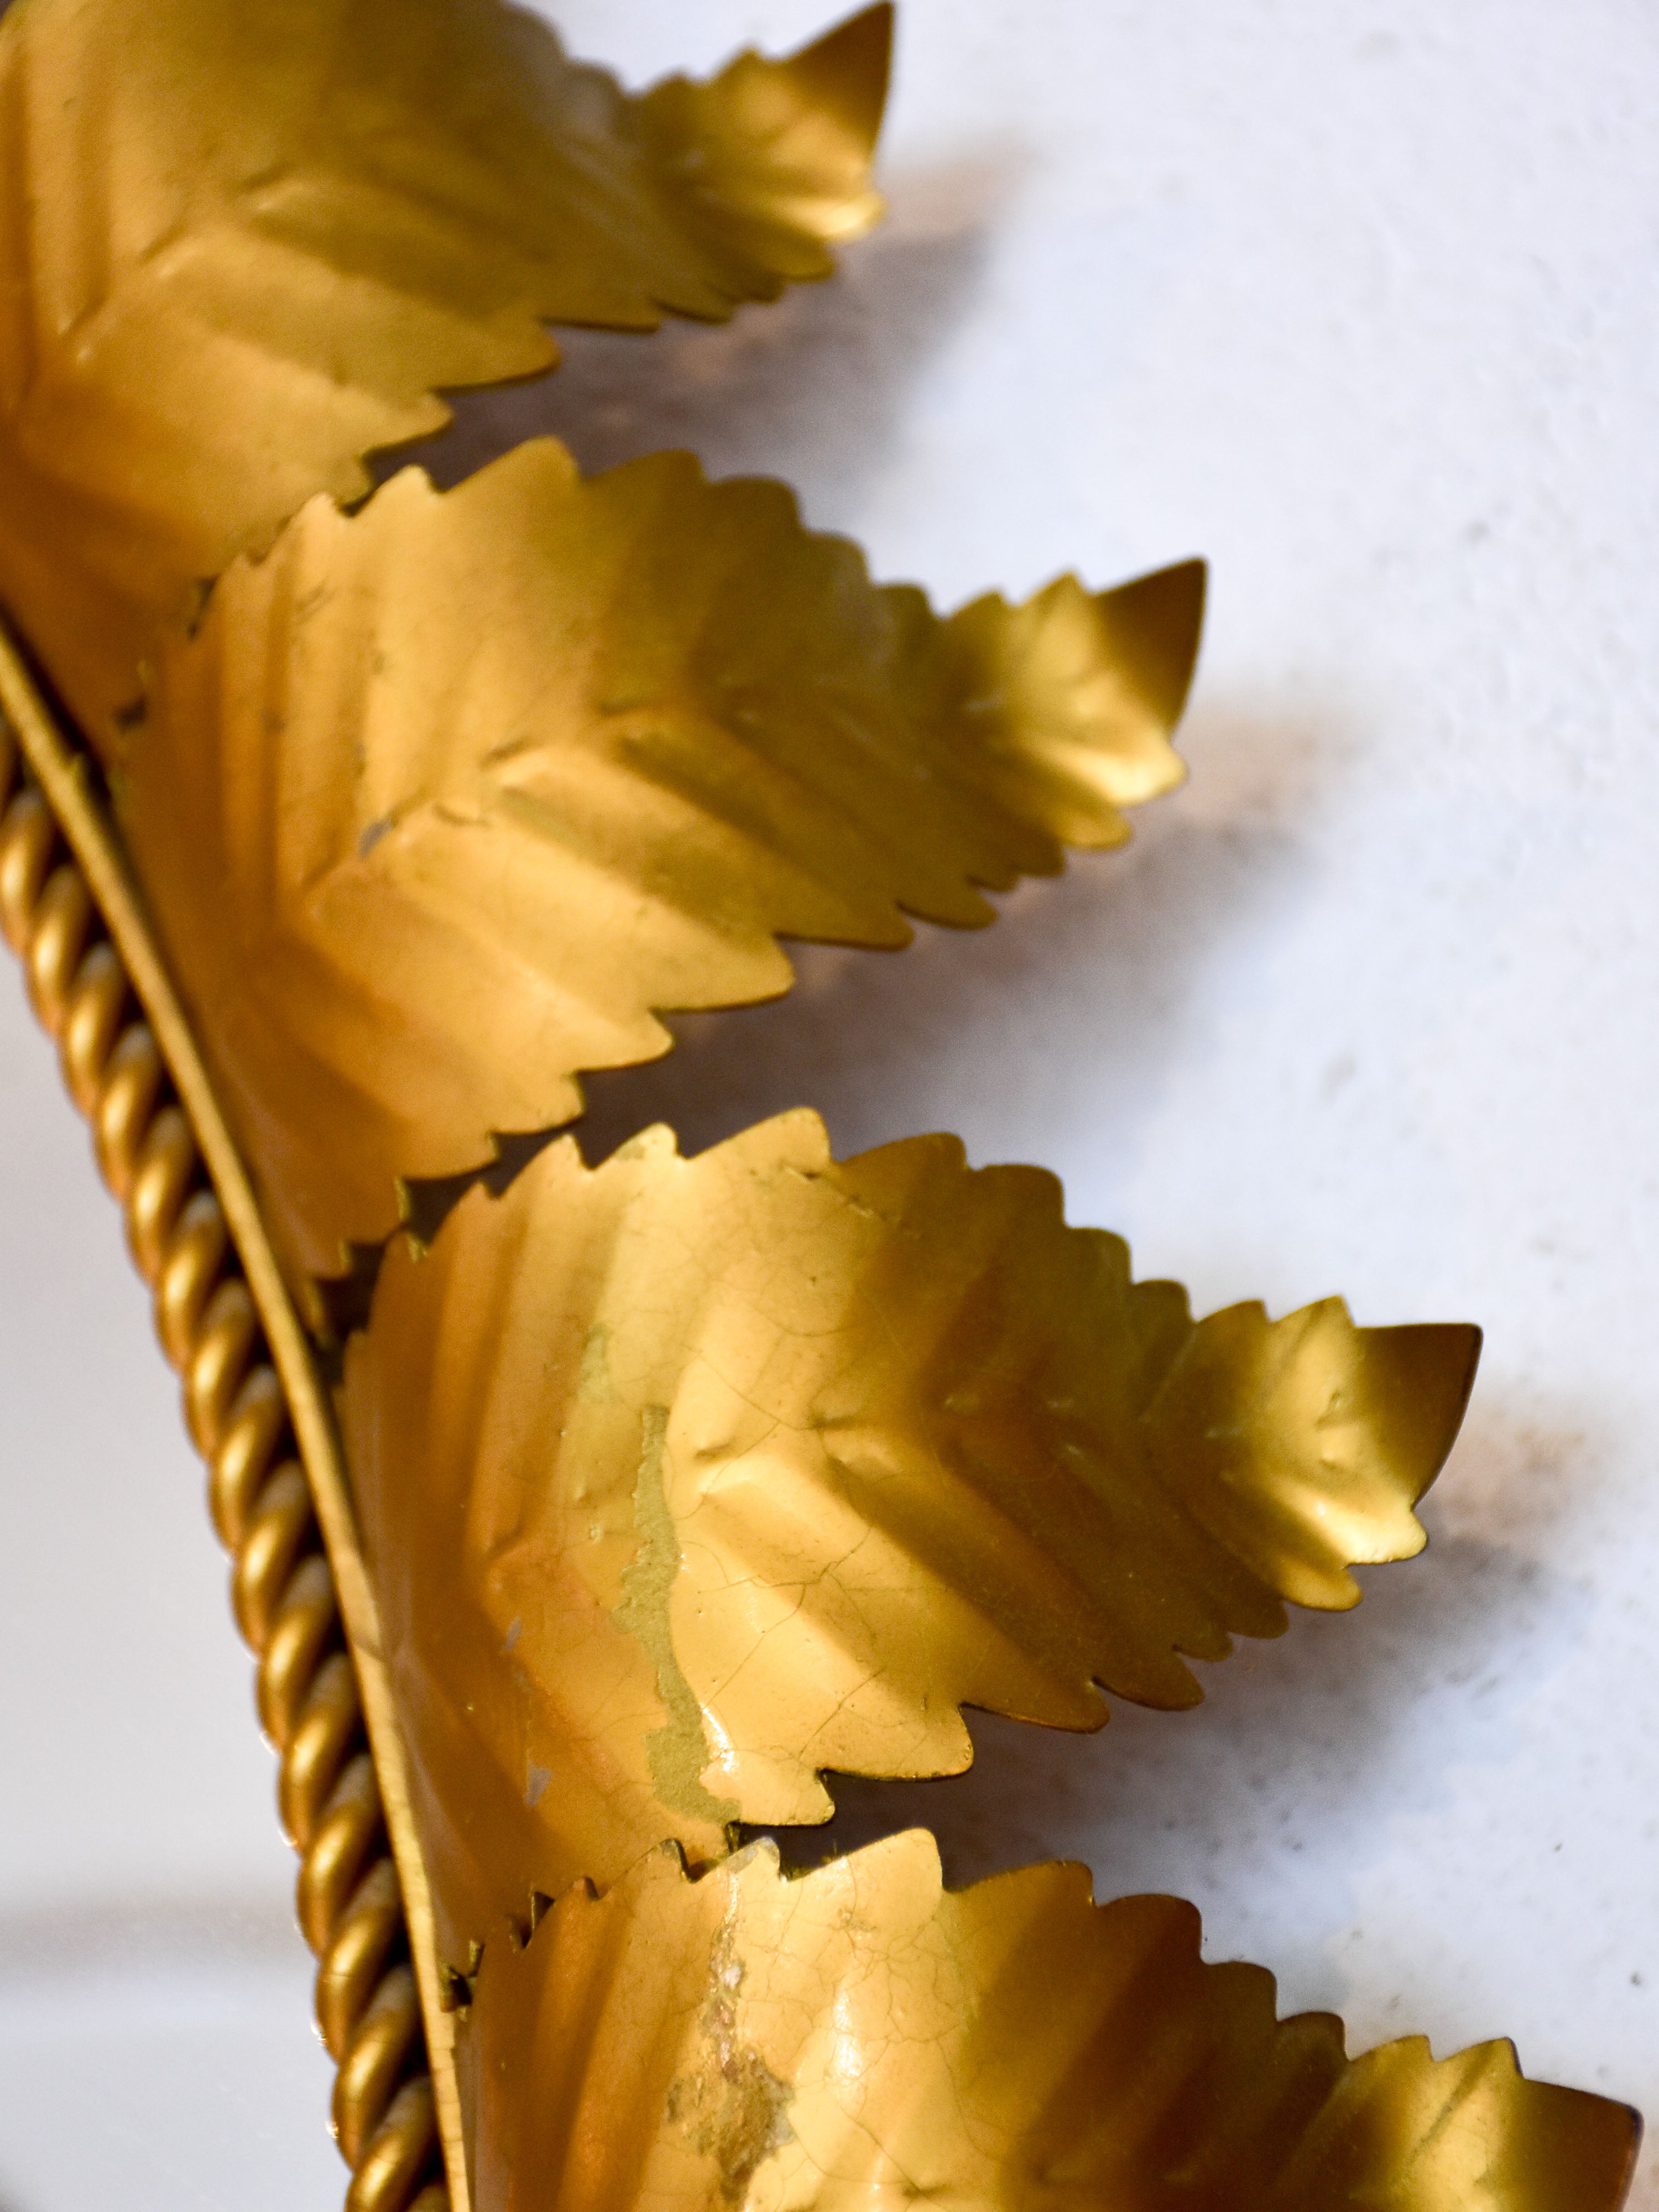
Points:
(246, 242)
(250, 1400)
(682, 1481)
(444, 800)
(859, 2038)
(853, 2037)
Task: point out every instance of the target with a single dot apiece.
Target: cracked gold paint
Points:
(861, 2038)
(680, 1481)
(445, 799)
(245, 244)
(687, 1479)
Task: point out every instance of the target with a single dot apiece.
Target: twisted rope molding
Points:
(274, 1484)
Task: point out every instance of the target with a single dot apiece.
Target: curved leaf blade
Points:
(244, 247)
(685, 1480)
(445, 800)
(859, 2036)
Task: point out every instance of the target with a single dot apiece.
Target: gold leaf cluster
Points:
(682, 1482)
(247, 242)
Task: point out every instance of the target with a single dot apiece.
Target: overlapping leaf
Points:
(244, 245)
(859, 2038)
(444, 800)
(683, 1479)
(681, 1482)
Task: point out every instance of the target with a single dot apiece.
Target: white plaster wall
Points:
(1359, 300)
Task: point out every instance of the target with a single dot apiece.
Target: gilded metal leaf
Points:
(445, 798)
(243, 245)
(684, 1479)
(860, 2037)
(678, 1482)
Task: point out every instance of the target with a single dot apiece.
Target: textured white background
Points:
(1358, 298)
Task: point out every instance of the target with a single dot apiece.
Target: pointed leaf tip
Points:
(1420, 1378)
(848, 71)
(1304, 1443)
(1157, 621)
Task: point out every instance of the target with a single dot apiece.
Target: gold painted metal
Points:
(252, 1401)
(442, 801)
(670, 1484)
(246, 244)
(685, 1480)
(859, 2037)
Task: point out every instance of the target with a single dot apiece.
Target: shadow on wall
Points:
(810, 388)
(979, 1031)
(1265, 1804)
(964, 1030)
